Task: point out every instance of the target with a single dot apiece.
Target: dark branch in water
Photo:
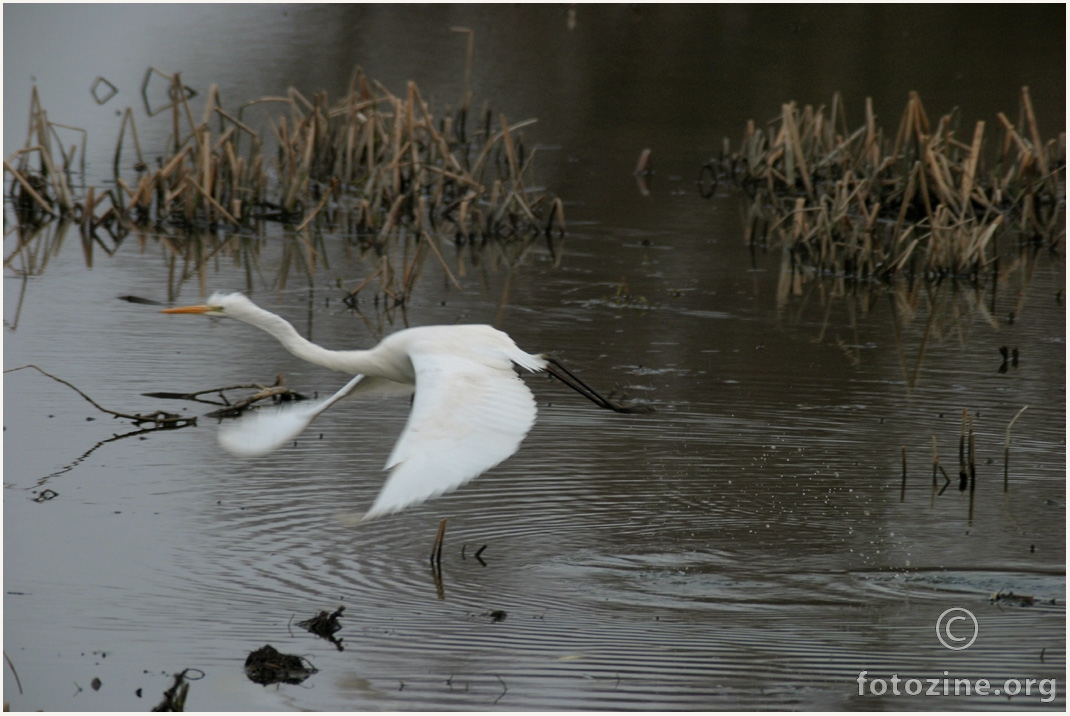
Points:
(160, 418)
(279, 392)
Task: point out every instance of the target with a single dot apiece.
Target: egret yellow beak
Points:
(187, 309)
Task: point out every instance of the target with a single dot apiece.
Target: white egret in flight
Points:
(470, 410)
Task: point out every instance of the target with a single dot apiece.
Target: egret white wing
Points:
(262, 431)
(468, 415)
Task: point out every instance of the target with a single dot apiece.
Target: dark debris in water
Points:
(267, 666)
(174, 699)
(139, 299)
(1010, 599)
(46, 495)
(492, 615)
(324, 625)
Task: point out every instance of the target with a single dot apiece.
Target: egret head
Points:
(223, 305)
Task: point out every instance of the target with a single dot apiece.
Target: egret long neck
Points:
(352, 362)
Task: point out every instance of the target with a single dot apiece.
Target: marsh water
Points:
(752, 544)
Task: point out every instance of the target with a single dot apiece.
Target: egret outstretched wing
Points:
(267, 429)
(468, 415)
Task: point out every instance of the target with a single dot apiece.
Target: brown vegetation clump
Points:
(924, 203)
(394, 179)
(387, 160)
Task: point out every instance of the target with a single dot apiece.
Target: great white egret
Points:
(470, 410)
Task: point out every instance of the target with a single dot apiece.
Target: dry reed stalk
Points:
(1034, 132)
(208, 197)
(936, 462)
(1007, 449)
(438, 254)
(864, 197)
(319, 207)
(404, 168)
(903, 488)
(28, 187)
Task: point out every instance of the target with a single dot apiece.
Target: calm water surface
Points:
(750, 545)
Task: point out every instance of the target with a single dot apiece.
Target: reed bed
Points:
(921, 202)
(387, 172)
(386, 159)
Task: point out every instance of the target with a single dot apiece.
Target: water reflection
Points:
(192, 257)
(922, 311)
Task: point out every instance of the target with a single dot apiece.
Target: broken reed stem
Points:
(438, 254)
(436, 549)
(319, 207)
(215, 204)
(1007, 449)
(29, 189)
(196, 395)
(972, 460)
(239, 407)
(365, 282)
(903, 489)
(963, 475)
(936, 461)
(18, 681)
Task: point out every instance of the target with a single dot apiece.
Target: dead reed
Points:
(387, 159)
(395, 178)
(922, 202)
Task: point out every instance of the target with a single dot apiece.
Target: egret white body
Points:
(470, 410)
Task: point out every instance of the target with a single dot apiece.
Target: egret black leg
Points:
(558, 370)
